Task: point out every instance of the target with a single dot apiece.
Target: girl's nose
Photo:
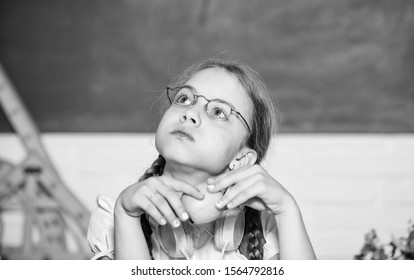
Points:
(191, 115)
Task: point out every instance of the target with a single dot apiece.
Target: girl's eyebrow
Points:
(215, 99)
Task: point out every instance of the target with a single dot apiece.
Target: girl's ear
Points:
(246, 157)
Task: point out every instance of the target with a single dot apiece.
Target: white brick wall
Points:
(345, 184)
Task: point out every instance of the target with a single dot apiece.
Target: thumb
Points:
(256, 203)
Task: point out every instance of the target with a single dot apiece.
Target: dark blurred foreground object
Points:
(54, 221)
(398, 249)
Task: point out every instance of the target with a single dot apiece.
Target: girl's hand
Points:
(252, 186)
(159, 197)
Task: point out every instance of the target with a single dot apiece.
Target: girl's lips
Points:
(183, 134)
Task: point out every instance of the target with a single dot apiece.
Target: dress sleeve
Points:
(101, 228)
(271, 246)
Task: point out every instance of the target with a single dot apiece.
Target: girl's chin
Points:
(202, 211)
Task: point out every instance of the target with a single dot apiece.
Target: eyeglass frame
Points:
(196, 96)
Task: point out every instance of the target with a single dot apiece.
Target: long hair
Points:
(156, 169)
(263, 126)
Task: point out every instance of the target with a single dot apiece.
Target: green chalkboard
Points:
(101, 66)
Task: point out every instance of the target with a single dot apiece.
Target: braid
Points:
(156, 169)
(252, 243)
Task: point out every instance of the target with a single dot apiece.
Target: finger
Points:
(230, 178)
(214, 179)
(164, 207)
(183, 187)
(151, 210)
(242, 197)
(235, 190)
(142, 199)
(175, 202)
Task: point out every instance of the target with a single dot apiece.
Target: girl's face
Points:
(187, 136)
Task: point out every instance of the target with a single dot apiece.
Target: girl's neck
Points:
(187, 174)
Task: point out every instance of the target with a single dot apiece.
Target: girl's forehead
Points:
(219, 83)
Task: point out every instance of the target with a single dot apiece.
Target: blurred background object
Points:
(335, 67)
(35, 190)
(92, 75)
(401, 248)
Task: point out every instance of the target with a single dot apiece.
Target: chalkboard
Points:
(101, 66)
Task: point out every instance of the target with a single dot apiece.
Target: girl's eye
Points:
(218, 113)
(182, 98)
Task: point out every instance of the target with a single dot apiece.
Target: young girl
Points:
(206, 196)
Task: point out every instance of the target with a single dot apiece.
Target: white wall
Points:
(345, 184)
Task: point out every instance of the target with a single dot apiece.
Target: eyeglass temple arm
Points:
(244, 120)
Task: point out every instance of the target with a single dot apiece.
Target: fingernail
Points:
(211, 187)
(201, 195)
(229, 205)
(219, 203)
(163, 221)
(184, 216)
(176, 223)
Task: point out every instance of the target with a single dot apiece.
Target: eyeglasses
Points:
(185, 96)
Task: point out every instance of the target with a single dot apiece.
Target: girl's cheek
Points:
(202, 211)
